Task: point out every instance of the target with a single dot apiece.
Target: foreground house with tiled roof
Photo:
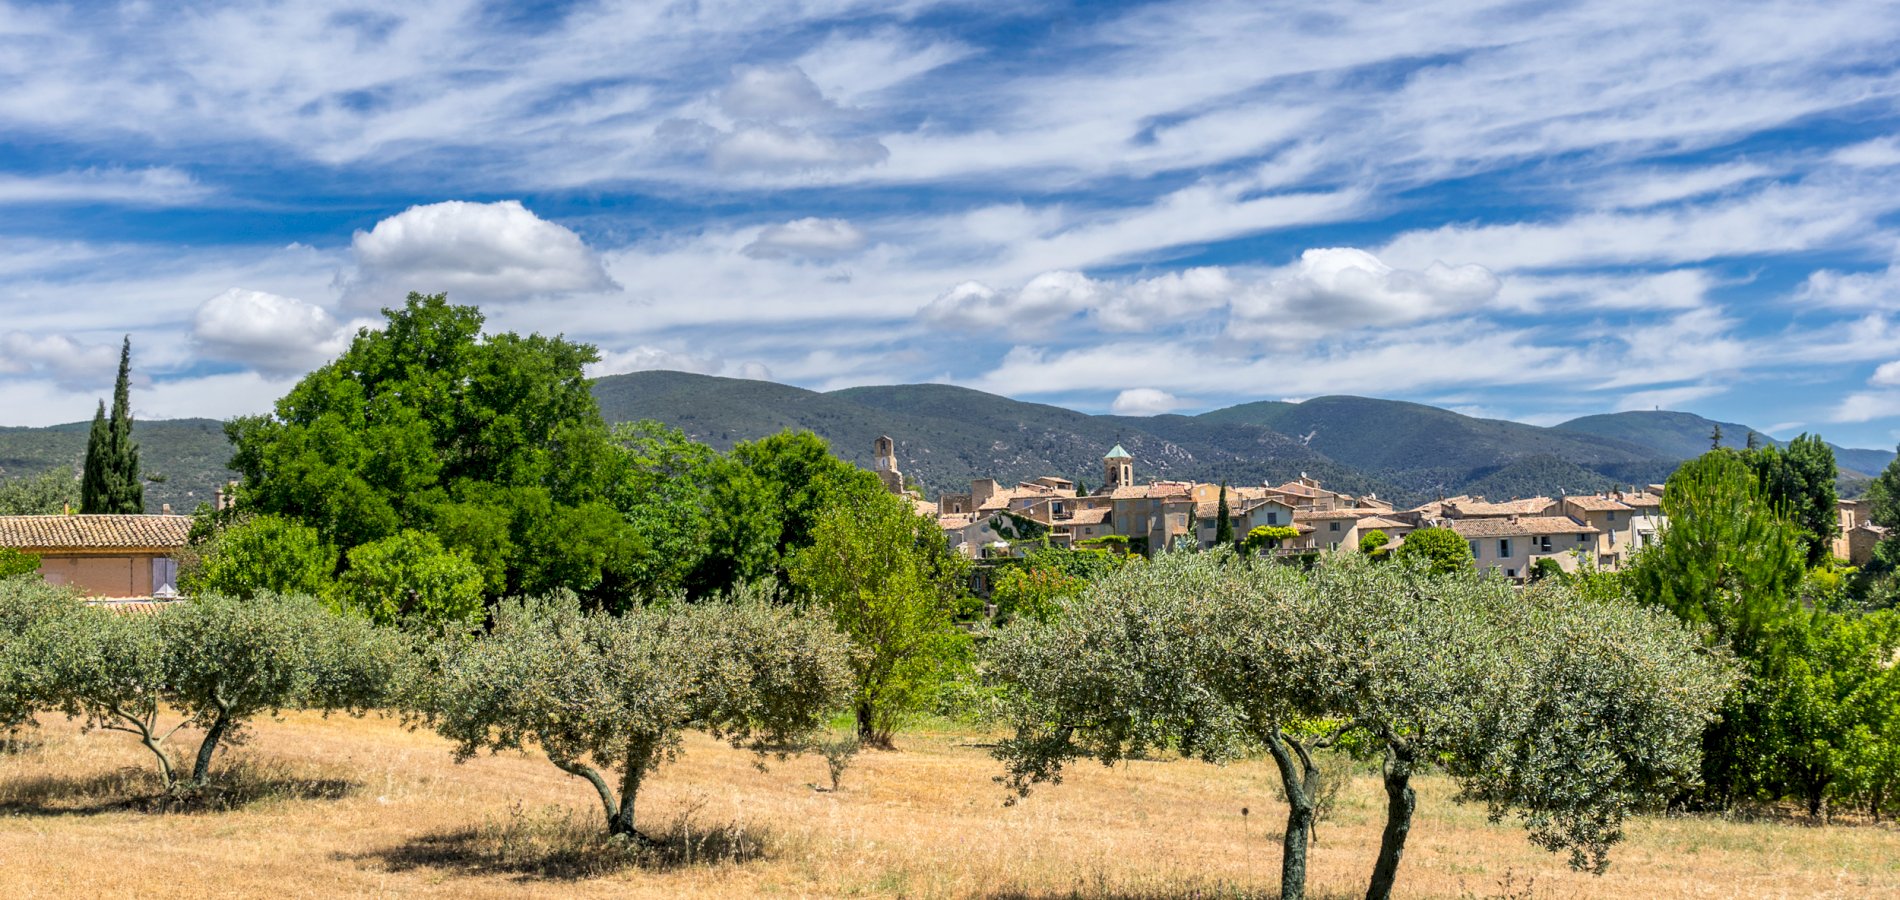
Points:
(115, 557)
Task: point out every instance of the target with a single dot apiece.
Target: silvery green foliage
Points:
(26, 603)
(1599, 711)
(1567, 711)
(216, 662)
(603, 694)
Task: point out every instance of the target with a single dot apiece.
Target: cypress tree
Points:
(112, 483)
(92, 482)
(1223, 521)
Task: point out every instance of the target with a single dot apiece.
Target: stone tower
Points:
(885, 465)
(1118, 469)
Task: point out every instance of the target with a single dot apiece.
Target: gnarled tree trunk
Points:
(1300, 778)
(201, 770)
(1400, 801)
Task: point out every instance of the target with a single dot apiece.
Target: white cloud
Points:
(807, 237)
(158, 186)
(772, 146)
(1875, 154)
(277, 335)
(1045, 300)
(1887, 375)
(1146, 402)
(477, 252)
(1866, 406)
(647, 358)
(1638, 291)
(774, 93)
(1337, 288)
(1856, 290)
(67, 361)
(1647, 189)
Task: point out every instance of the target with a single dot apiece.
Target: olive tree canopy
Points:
(607, 698)
(1566, 711)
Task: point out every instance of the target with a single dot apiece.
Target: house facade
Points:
(108, 557)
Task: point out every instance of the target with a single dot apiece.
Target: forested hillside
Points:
(948, 435)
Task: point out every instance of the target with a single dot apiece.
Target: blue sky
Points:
(1524, 210)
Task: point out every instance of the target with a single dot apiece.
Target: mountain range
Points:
(946, 436)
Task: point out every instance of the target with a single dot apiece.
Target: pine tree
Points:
(112, 483)
(1223, 521)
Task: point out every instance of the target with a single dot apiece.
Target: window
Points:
(1613, 515)
(1056, 508)
(1510, 573)
(1273, 518)
(1543, 543)
(1335, 527)
(1504, 547)
(1474, 549)
(1583, 539)
(1333, 546)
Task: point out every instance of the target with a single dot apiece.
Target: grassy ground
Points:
(353, 807)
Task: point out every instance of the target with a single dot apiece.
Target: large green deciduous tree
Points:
(608, 697)
(492, 443)
(111, 482)
(410, 579)
(263, 553)
(891, 583)
(26, 605)
(1439, 549)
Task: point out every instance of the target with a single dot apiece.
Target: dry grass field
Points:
(338, 807)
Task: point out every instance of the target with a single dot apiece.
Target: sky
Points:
(1521, 210)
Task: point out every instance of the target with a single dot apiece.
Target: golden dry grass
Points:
(327, 807)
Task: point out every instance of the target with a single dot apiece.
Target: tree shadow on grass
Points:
(133, 789)
(557, 844)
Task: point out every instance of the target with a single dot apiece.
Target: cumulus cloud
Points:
(1145, 402)
(773, 93)
(807, 237)
(1045, 300)
(274, 334)
(68, 362)
(477, 252)
(1336, 288)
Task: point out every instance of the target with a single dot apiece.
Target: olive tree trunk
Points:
(1400, 802)
(1300, 778)
(619, 811)
(201, 769)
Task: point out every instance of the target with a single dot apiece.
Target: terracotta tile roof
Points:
(1158, 490)
(33, 533)
(1522, 525)
(924, 507)
(133, 605)
(1381, 522)
(1596, 503)
(1643, 500)
(1480, 507)
(1095, 516)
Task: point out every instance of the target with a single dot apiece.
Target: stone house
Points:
(109, 557)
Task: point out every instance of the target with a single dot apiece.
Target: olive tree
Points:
(217, 663)
(1566, 711)
(1127, 669)
(607, 698)
(26, 604)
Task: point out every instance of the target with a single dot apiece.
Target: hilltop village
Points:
(1506, 536)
